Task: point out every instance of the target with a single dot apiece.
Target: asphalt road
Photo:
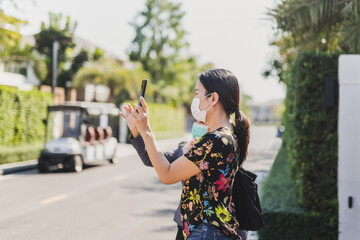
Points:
(125, 201)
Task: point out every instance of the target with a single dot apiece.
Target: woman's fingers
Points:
(139, 109)
(130, 107)
(136, 114)
(143, 103)
(123, 115)
(127, 110)
(192, 142)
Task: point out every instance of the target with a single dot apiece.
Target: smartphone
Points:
(143, 89)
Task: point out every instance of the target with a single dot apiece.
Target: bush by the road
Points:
(283, 216)
(311, 131)
(21, 115)
(166, 121)
(20, 153)
(300, 195)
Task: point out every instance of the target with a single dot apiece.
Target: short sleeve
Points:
(204, 150)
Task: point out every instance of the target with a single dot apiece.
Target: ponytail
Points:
(242, 132)
(226, 85)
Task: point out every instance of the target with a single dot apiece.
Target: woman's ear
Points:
(214, 98)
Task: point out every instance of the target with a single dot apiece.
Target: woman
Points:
(209, 167)
(198, 129)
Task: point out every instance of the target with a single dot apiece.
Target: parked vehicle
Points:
(79, 133)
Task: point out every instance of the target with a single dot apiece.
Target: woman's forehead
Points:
(199, 87)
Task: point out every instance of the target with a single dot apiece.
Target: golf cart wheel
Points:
(43, 165)
(114, 160)
(76, 164)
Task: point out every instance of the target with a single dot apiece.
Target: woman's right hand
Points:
(191, 144)
(130, 120)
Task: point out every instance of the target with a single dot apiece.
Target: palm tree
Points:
(319, 24)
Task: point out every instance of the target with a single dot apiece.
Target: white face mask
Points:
(195, 110)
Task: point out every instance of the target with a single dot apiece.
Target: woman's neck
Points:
(219, 120)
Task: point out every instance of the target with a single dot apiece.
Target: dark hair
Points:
(226, 85)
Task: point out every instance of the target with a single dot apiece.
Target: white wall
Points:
(14, 80)
(349, 147)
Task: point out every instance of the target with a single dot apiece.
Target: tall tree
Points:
(320, 24)
(66, 75)
(317, 25)
(10, 37)
(58, 29)
(159, 39)
(124, 84)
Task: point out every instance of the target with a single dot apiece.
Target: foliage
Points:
(97, 54)
(311, 145)
(19, 153)
(160, 46)
(286, 224)
(159, 38)
(58, 29)
(279, 183)
(21, 116)
(283, 216)
(312, 126)
(68, 74)
(166, 121)
(10, 38)
(40, 67)
(124, 83)
(322, 24)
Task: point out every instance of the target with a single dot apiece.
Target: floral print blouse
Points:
(207, 196)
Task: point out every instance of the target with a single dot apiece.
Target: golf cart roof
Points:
(92, 108)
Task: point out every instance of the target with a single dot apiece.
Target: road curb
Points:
(11, 168)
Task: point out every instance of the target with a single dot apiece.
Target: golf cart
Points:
(79, 133)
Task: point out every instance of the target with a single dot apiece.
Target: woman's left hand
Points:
(142, 117)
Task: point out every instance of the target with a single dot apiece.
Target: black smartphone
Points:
(143, 89)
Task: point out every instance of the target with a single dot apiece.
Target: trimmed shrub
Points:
(21, 115)
(300, 194)
(166, 121)
(283, 216)
(20, 153)
(311, 131)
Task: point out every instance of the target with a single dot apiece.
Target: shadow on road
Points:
(55, 170)
(151, 186)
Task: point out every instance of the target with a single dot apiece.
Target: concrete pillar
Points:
(349, 147)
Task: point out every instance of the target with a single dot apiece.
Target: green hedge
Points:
(20, 153)
(311, 130)
(21, 118)
(287, 225)
(300, 194)
(283, 216)
(166, 121)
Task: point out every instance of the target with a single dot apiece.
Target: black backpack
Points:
(247, 202)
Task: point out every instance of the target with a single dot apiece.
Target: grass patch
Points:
(278, 183)
(166, 135)
(284, 219)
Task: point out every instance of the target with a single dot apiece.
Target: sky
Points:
(232, 34)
